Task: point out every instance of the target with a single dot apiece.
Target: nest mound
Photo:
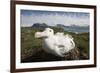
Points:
(42, 56)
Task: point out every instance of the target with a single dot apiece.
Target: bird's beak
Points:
(38, 35)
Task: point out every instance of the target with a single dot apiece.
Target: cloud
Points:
(53, 18)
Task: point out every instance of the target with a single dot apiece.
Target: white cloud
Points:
(29, 20)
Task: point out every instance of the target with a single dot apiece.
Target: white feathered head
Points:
(46, 33)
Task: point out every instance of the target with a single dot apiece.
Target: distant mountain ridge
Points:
(39, 25)
(57, 25)
(71, 27)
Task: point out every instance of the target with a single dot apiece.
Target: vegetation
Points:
(31, 48)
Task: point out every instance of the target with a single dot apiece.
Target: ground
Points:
(31, 48)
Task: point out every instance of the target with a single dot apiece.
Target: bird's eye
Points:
(50, 30)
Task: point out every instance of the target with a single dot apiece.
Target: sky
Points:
(51, 18)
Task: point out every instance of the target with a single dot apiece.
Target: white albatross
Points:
(57, 44)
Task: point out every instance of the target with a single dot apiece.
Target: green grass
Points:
(30, 46)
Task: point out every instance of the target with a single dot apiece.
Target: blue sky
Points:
(29, 17)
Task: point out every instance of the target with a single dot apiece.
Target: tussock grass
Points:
(32, 47)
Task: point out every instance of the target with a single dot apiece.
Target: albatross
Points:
(57, 44)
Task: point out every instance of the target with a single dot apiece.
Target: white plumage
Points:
(57, 44)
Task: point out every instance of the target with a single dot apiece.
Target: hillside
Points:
(31, 48)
